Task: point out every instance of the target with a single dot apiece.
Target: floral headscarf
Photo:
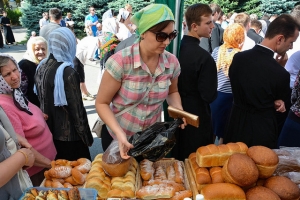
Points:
(18, 97)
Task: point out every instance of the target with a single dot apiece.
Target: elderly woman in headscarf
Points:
(144, 73)
(37, 50)
(234, 38)
(58, 89)
(26, 118)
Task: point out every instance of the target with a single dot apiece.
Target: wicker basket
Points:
(191, 178)
(164, 163)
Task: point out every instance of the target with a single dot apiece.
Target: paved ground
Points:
(91, 73)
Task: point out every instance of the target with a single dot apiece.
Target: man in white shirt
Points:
(244, 20)
(44, 21)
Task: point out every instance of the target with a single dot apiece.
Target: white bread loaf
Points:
(200, 174)
(214, 156)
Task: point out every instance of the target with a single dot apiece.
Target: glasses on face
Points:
(162, 36)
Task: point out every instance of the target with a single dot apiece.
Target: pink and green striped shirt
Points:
(126, 66)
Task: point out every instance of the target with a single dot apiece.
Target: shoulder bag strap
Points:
(133, 106)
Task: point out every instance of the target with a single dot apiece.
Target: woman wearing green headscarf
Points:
(144, 75)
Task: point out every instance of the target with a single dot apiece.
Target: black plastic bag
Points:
(156, 141)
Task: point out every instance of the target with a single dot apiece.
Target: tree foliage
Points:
(226, 5)
(277, 7)
(136, 4)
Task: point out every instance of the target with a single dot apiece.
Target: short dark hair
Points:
(194, 12)
(55, 14)
(215, 8)
(285, 25)
(255, 24)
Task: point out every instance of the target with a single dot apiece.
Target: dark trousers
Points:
(106, 138)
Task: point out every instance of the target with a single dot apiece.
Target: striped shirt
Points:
(223, 80)
(127, 67)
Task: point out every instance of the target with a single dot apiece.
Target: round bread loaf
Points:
(240, 169)
(261, 193)
(265, 159)
(283, 187)
(117, 169)
(223, 191)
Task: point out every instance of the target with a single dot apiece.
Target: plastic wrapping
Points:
(289, 163)
(156, 141)
(112, 162)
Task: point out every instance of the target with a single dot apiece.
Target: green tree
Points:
(250, 7)
(136, 4)
(277, 7)
(226, 5)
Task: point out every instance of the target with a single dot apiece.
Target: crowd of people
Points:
(240, 75)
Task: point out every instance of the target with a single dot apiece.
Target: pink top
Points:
(33, 127)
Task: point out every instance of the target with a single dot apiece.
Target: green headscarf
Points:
(150, 16)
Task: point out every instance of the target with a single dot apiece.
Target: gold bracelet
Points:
(26, 157)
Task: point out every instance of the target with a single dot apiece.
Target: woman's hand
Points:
(23, 142)
(124, 146)
(45, 116)
(279, 106)
(182, 126)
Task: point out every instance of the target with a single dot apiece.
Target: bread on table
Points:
(60, 171)
(182, 194)
(214, 156)
(99, 185)
(147, 169)
(216, 175)
(200, 174)
(220, 191)
(265, 159)
(117, 193)
(261, 193)
(283, 187)
(241, 170)
(179, 176)
(160, 174)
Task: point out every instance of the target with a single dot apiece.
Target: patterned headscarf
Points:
(18, 97)
(150, 16)
(234, 37)
(62, 44)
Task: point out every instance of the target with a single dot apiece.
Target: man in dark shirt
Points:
(55, 19)
(216, 37)
(197, 83)
(253, 32)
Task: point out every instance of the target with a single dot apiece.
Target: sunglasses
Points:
(162, 36)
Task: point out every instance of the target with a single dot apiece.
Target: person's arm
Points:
(40, 160)
(9, 167)
(279, 106)
(107, 90)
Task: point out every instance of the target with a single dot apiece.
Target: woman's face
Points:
(40, 50)
(155, 46)
(11, 74)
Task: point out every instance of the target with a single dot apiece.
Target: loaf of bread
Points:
(241, 170)
(160, 174)
(283, 187)
(60, 171)
(116, 193)
(265, 159)
(99, 185)
(261, 193)
(177, 187)
(147, 169)
(84, 165)
(179, 176)
(116, 169)
(182, 194)
(216, 175)
(214, 156)
(219, 191)
(200, 174)
(171, 173)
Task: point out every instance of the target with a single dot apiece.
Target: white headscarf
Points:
(106, 15)
(29, 54)
(62, 44)
(109, 25)
(18, 97)
(123, 14)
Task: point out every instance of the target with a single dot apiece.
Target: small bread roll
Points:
(68, 185)
(178, 172)
(74, 194)
(56, 184)
(78, 177)
(48, 183)
(62, 194)
(60, 171)
(171, 173)
(85, 165)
